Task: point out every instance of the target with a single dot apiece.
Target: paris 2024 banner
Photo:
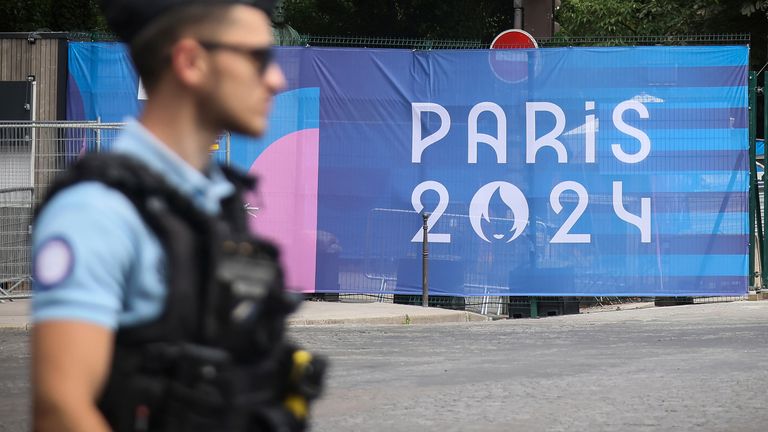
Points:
(558, 171)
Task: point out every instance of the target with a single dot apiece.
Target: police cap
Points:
(128, 17)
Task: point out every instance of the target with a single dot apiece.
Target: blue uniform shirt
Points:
(94, 259)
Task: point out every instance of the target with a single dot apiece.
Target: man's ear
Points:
(189, 62)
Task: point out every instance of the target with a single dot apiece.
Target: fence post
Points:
(98, 134)
(759, 257)
(228, 143)
(752, 176)
(765, 204)
(33, 134)
(425, 263)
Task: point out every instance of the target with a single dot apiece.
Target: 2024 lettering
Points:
(512, 196)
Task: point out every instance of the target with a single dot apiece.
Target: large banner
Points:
(560, 171)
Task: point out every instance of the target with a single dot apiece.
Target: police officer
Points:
(153, 308)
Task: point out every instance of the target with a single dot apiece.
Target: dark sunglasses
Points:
(263, 56)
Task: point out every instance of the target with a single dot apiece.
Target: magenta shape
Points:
(287, 203)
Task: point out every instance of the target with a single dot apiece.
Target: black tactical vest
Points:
(217, 358)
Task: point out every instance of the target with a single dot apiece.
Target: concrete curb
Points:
(15, 315)
(331, 313)
(12, 326)
(404, 319)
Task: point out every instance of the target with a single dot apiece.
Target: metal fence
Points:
(15, 229)
(32, 154)
(426, 44)
(378, 246)
(548, 42)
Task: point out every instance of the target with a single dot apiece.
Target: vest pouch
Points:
(169, 387)
(132, 396)
(261, 390)
(252, 304)
(209, 392)
(200, 390)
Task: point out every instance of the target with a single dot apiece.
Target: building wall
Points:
(46, 60)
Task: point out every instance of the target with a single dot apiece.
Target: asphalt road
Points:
(14, 380)
(687, 368)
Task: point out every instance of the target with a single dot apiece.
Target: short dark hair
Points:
(151, 49)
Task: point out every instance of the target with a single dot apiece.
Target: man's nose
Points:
(274, 78)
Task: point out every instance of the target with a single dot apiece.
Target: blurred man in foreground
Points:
(155, 309)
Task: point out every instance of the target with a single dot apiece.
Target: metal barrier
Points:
(15, 232)
(32, 154)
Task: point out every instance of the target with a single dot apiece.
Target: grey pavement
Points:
(15, 314)
(688, 368)
(697, 368)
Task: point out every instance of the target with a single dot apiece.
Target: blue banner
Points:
(559, 171)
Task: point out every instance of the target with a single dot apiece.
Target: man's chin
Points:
(254, 129)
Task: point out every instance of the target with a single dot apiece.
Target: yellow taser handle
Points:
(297, 404)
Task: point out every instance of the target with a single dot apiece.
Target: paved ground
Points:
(15, 314)
(14, 381)
(687, 368)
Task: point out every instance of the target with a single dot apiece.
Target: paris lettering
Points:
(510, 194)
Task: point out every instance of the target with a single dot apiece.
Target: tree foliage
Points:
(50, 15)
(482, 19)
(20, 15)
(668, 17)
(660, 17)
(450, 19)
(429, 19)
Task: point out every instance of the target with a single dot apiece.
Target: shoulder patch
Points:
(53, 262)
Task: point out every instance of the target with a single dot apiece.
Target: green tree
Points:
(23, 15)
(52, 15)
(668, 17)
(754, 6)
(483, 19)
(433, 19)
(658, 17)
(76, 15)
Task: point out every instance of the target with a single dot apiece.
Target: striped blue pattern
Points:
(696, 174)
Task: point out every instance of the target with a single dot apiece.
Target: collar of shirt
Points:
(205, 191)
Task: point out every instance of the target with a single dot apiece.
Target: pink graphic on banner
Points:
(285, 206)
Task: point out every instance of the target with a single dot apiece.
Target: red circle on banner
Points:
(508, 64)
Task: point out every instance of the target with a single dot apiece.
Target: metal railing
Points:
(15, 231)
(426, 44)
(551, 42)
(32, 154)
